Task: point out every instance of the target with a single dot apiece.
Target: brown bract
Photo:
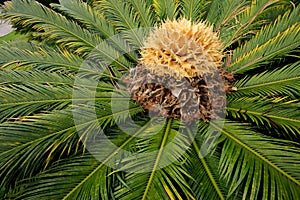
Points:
(187, 99)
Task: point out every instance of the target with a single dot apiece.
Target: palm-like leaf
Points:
(267, 113)
(79, 173)
(261, 162)
(283, 82)
(274, 40)
(165, 9)
(194, 10)
(206, 181)
(60, 97)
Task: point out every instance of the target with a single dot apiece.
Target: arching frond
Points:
(53, 25)
(193, 9)
(66, 175)
(48, 137)
(143, 10)
(267, 113)
(27, 93)
(63, 31)
(94, 21)
(284, 82)
(222, 12)
(248, 21)
(22, 45)
(49, 79)
(21, 100)
(206, 182)
(123, 17)
(82, 12)
(41, 57)
(272, 12)
(8, 77)
(27, 146)
(255, 163)
(92, 172)
(147, 185)
(14, 57)
(274, 40)
(166, 9)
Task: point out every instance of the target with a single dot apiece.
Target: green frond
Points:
(143, 10)
(248, 21)
(53, 135)
(63, 31)
(273, 41)
(166, 9)
(14, 57)
(66, 175)
(255, 9)
(123, 17)
(284, 82)
(160, 182)
(282, 115)
(110, 154)
(278, 9)
(27, 146)
(22, 45)
(45, 78)
(167, 183)
(90, 173)
(54, 26)
(30, 77)
(94, 21)
(193, 9)
(221, 12)
(206, 182)
(258, 163)
(82, 12)
(24, 56)
(21, 100)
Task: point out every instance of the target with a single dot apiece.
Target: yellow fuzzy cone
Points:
(182, 49)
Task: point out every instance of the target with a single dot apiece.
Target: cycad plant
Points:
(151, 99)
